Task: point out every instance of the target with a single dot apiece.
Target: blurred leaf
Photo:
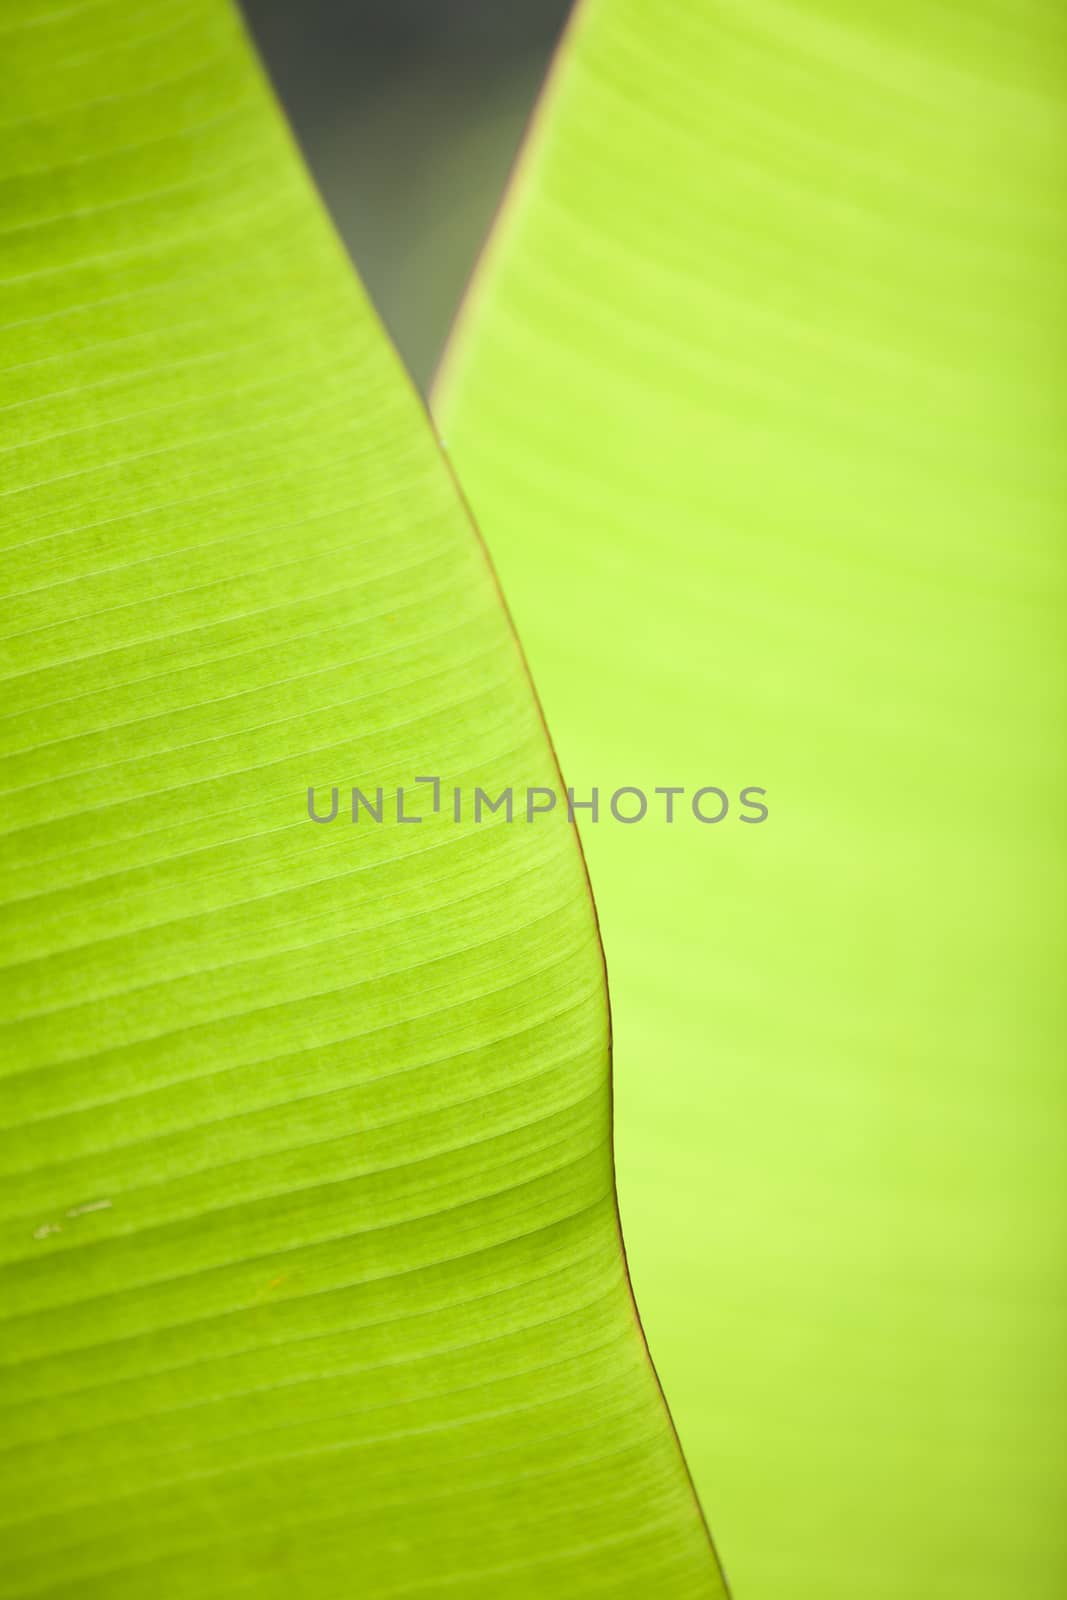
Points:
(758, 397)
(311, 1281)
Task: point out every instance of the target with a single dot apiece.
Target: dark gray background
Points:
(409, 113)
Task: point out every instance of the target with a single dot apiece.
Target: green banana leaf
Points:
(758, 399)
(310, 1274)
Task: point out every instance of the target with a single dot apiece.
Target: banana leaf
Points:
(310, 1273)
(757, 396)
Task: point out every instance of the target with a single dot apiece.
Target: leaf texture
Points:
(310, 1277)
(766, 353)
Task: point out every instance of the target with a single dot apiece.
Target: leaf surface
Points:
(310, 1277)
(766, 355)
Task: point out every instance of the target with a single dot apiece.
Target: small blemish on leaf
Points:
(90, 1205)
(46, 1228)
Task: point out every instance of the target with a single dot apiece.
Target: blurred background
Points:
(409, 113)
